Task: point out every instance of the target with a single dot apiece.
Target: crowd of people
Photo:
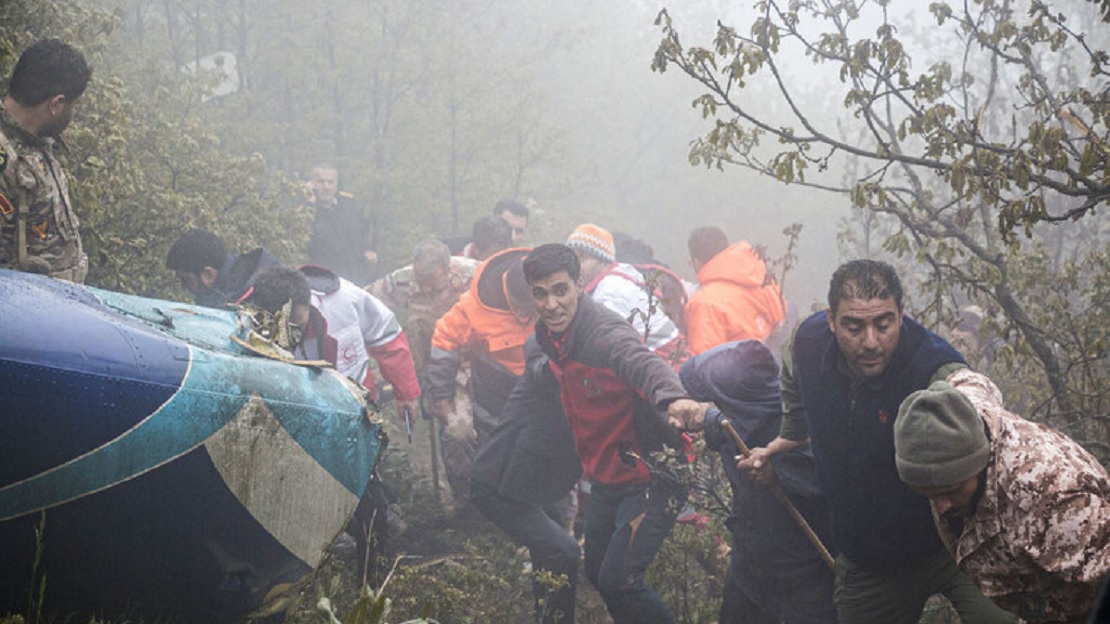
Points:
(870, 467)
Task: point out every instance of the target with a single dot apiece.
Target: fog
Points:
(212, 113)
(432, 113)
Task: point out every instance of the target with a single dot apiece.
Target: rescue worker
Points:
(488, 236)
(522, 481)
(516, 215)
(39, 230)
(486, 328)
(1024, 509)
(522, 475)
(623, 289)
(343, 324)
(621, 401)
(512, 212)
(332, 319)
(791, 582)
(737, 299)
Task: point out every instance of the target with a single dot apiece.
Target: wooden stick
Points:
(776, 489)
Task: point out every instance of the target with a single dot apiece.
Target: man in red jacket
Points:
(621, 401)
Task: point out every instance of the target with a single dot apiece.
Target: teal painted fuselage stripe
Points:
(316, 408)
(311, 404)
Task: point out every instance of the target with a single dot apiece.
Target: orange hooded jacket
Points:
(482, 324)
(733, 303)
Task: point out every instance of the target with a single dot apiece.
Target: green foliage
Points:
(486, 582)
(150, 175)
(371, 608)
(980, 175)
(143, 165)
(689, 571)
(153, 153)
(980, 159)
(427, 129)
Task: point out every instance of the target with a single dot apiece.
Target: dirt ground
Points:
(451, 561)
(443, 536)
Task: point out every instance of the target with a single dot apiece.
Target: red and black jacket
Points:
(614, 391)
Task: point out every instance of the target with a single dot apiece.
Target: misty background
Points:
(433, 111)
(210, 113)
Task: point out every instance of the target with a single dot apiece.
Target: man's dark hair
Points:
(45, 69)
(549, 259)
(491, 233)
(510, 205)
(864, 279)
(633, 250)
(706, 242)
(196, 249)
(278, 285)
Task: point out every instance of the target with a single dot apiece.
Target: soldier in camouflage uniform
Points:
(1024, 509)
(38, 228)
(419, 294)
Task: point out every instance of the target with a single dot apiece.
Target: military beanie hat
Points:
(939, 439)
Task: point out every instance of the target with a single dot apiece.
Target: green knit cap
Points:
(939, 438)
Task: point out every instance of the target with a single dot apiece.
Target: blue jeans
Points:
(625, 526)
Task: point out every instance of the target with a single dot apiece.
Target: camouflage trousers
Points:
(458, 440)
(76, 274)
(467, 427)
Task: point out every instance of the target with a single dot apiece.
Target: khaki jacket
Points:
(1038, 542)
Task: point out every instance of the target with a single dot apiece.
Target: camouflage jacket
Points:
(418, 308)
(32, 180)
(1038, 542)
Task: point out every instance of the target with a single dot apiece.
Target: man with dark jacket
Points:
(215, 277)
(487, 237)
(844, 376)
(621, 401)
(791, 582)
(520, 480)
(343, 236)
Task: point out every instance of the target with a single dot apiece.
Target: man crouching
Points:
(1023, 508)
